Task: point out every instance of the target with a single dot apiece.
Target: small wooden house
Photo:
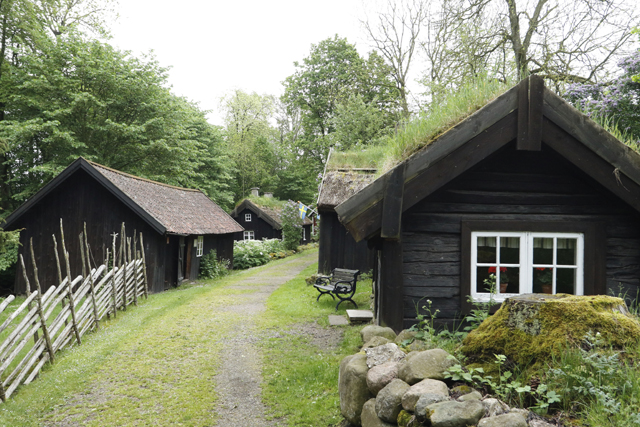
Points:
(525, 195)
(338, 249)
(260, 218)
(179, 225)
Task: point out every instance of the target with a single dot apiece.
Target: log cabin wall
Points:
(77, 200)
(261, 228)
(338, 249)
(510, 185)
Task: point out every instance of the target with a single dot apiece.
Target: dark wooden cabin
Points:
(527, 188)
(338, 249)
(260, 218)
(179, 225)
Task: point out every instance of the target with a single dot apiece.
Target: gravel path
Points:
(239, 378)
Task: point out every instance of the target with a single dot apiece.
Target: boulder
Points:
(420, 365)
(539, 423)
(474, 395)
(404, 335)
(379, 376)
(383, 354)
(374, 342)
(506, 420)
(371, 331)
(538, 326)
(493, 407)
(352, 387)
(428, 386)
(369, 417)
(428, 399)
(389, 400)
(454, 414)
(407, 419)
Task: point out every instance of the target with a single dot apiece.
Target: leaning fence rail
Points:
(48, 322)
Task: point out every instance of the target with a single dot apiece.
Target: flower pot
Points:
(503, 288)
(547, 288)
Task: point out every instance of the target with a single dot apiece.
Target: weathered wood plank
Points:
(432, 269)
(417, 280)
(432, 292)
(392, 204)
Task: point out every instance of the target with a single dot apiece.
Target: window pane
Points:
(566, 281)
(486, 249)
(509, 250)
(483, 281)
(542, 280)
(566, 251)
(509, 280)
(542, 250)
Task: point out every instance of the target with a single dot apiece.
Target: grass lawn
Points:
(155, 364)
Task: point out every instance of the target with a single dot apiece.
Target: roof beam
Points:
(530, 100)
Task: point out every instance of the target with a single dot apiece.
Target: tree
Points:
(395, 33)
(563, 42)
(291, 225)
(251, 140)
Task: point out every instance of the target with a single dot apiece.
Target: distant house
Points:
(179, 225)
(260, 218)
(338, 249)
(528, 189)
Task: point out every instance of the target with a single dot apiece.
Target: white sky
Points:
(215, 46)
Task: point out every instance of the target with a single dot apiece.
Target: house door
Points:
(181, 260)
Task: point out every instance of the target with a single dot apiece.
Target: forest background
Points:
(66, 92)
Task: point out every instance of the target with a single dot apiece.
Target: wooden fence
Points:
(58, 318)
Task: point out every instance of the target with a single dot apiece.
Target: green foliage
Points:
(426, 331)
(481, 310)
(211, 267)
(291, 225)
(252, 253)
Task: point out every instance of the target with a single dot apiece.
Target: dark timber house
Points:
(338, 249)
(527, 188)
(179, 225)
(260, 218)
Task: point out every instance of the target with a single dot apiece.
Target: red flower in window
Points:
(492, 270)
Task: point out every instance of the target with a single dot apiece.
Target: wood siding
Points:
(260, 228)
(338, 249)
(510, 185)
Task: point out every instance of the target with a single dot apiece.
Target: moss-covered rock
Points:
(534, 327)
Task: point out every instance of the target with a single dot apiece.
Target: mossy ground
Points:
(560, 323)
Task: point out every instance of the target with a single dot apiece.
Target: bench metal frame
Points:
(341, 284)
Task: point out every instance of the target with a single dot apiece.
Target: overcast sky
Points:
(215, 46)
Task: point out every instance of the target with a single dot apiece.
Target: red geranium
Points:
(492, 270)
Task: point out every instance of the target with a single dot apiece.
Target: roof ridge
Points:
(128, 175)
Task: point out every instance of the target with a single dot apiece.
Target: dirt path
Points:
(183, 358)
(238, 381)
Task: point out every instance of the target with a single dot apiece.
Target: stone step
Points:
(359, 316)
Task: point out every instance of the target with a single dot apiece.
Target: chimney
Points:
(268, 195)
(255, 192)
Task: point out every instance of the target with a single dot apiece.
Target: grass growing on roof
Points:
(267, 202)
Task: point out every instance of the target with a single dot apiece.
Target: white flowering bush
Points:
(252, 253)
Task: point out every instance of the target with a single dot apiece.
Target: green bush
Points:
(211, 267)
(291, 225)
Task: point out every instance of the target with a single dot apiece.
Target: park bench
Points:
(341, 283)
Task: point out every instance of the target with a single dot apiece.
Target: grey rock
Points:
(375, 342)
(539, 423)
(426, 400)
(474, 395)
(419, 365)
(379, 376)
(505, 420)
(369, 417)
(523, 412)
(455, 414)
(371, 331)
(404, 335)
(429, 387)
(389, 400)
(384, 353)
(352, 387)
(493, 407)
(420, 345)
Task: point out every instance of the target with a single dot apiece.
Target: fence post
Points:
(123, 256)
(144, 267)
(28, 293)
(135, 268)
(93, 288)
(45, 329)
(113, 276)
(55, 248)
(71, 301)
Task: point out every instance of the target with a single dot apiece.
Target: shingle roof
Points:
(179, 210)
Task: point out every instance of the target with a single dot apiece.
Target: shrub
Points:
(211, 267)
(249, 253)
(291, 225)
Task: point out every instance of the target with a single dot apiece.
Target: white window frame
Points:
(526, 264)
(304, 233)
(199, 246)
(249, 235)
(247, 217)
